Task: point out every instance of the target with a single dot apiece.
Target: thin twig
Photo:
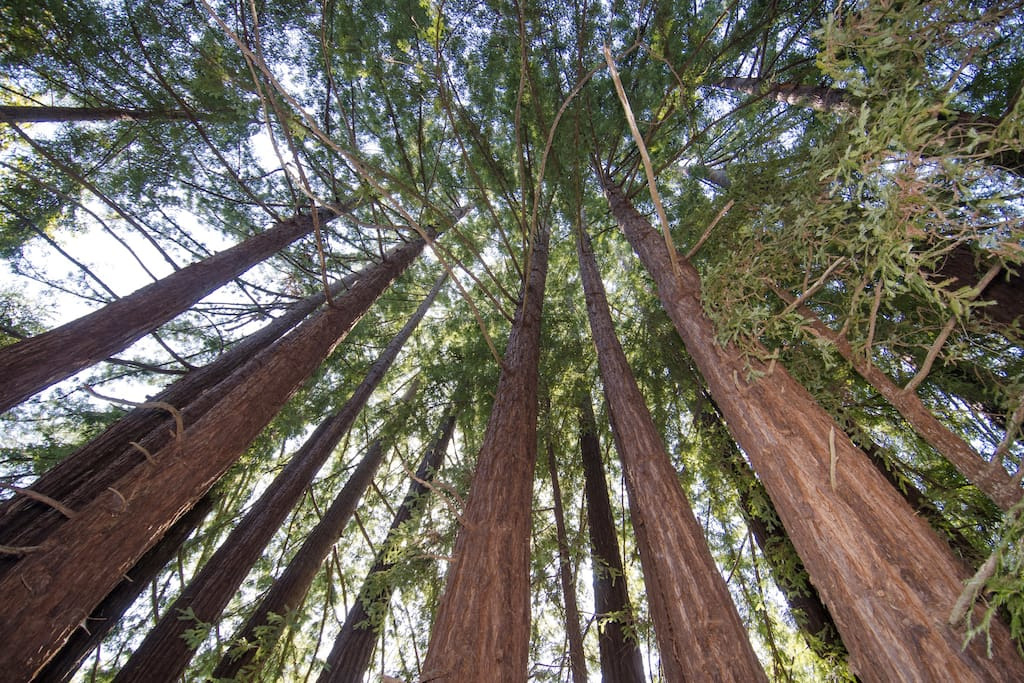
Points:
(646, 158)
(707, 232)
(933, 353)
(815, 287)
(41, 498)
(179, 421)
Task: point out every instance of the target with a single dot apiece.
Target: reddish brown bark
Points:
(482, 628)
(353, 647)
(621, 661)
(42, 114)
(50, 591)
(30, 366)
(990, 477)
(577, 660)
(109, 612)
(164, 650)
(88, 471)
(700, 634)
(809, 613)
(887, 579)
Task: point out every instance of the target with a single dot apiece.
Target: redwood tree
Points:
(112, 532)
(353, 647)
(888, 580)
(165, 650)
(700, 634)
(90, 469)
(481, 631)
(621, 661)
(35, 363)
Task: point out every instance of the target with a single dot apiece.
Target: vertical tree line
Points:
(345, 269)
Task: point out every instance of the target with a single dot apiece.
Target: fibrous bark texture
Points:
(482, 628)
(109, 612)
(700, 634)
(810, 614)
(86, 473)
(53, 589)
(164, 650)
(31, 365)
(886, 577)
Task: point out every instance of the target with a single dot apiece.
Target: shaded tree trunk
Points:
(621, 661)
(577, 660)
(164, 650)
(811, 615)
(888, 580)
(921, 504)
(87, 472)
(353, 647)
(990, 477)
(482, 628)
(700, 634)
(52, 589)
(109, 612)
(31, 365)
(43, 114)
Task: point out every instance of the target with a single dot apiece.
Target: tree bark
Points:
(353, 647)
(700, 634)
(990, 477)
(577, 660)
(52, 589)
(43, 114)
(888, 580)
(164, 650)
(109, 612)
(482, 628)
(621, 661)
(87, 472)
(31, 365)
(809, 613)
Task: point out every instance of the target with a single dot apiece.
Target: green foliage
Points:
(417, 109)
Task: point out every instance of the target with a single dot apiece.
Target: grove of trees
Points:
(643, 340)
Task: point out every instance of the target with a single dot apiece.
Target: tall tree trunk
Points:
(43, 114)
(577, 660)
(87, 472)
(30, 366)
(353, 647)
(164, 650)
(922, 504)
(820, 98)
(109, 612)
(482, 628)
(621, 661)
(700, 634)
(989, 476)
(809, 613)
(888, 580)
(53, 588)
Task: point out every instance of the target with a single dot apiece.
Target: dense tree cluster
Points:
(511, 340)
